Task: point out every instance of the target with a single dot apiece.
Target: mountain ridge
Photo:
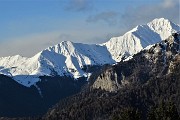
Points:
(68, 58)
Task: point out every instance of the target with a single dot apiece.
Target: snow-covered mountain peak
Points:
(163, 27)
(140, 37)
(62, 45)
(66, 43)
(160, 21)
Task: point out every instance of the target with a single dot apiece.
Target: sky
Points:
(29, 26)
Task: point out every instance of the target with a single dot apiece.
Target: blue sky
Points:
(28, 26)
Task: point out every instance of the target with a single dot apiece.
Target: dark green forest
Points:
(158, 99)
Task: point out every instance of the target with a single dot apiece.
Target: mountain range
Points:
(30, 86)
(69, 59)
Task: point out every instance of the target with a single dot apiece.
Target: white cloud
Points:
(169, 3)
(109, 17)
(168, 9)
(79, 5)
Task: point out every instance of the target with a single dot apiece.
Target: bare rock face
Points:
(107, 81)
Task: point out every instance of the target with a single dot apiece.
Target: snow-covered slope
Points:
(140, 37)
(68, 58)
